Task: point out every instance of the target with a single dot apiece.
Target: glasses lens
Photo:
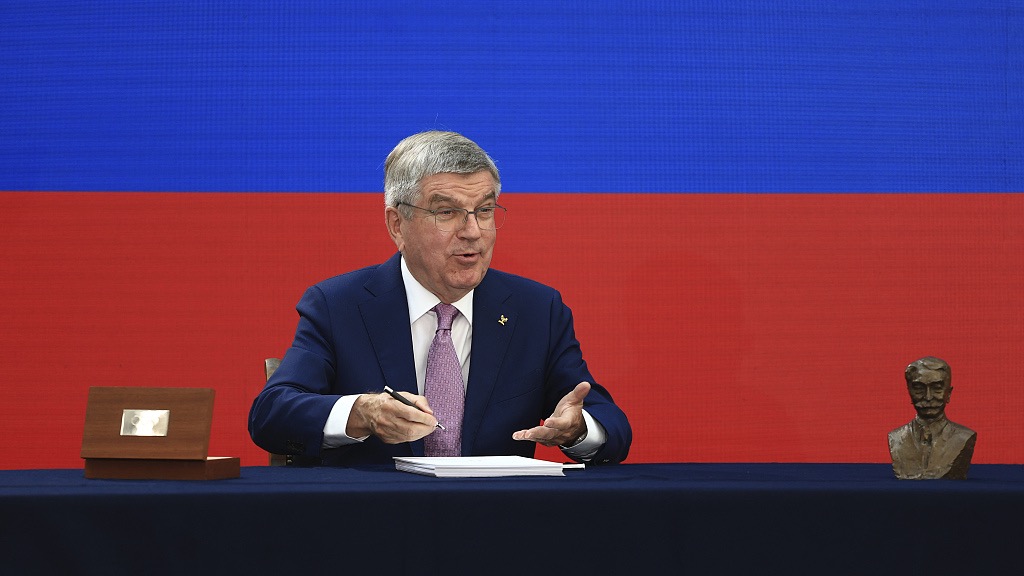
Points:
(448, 218)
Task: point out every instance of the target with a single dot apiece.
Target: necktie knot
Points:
(446, 314)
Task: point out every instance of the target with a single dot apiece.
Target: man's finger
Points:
(580, 391)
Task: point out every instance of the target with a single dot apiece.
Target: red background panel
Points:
(731, 327)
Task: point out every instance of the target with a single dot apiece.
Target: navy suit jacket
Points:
(353, 337)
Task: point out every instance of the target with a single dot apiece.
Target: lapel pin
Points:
(502, 320)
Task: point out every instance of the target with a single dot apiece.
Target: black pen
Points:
(406, 401)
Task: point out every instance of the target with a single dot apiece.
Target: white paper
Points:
(477, 466)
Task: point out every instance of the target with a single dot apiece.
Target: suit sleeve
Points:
(567, 369)
(288, 416)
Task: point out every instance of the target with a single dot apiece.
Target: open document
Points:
(479, 466)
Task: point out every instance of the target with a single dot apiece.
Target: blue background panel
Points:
(776, 96)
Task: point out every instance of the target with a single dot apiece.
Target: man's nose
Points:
(470, 226)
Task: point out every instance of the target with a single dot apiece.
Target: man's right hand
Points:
(390, 420)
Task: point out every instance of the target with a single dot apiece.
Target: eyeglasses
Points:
(448, 218)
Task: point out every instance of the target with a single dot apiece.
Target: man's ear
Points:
(393, 221)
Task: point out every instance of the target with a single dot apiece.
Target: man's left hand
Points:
(565, 426)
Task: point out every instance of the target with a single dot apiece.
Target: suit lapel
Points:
(384, 316)
(491, 337)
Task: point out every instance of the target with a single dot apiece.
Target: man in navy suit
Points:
(525, 378)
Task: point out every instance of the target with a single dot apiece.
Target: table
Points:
(625, 519)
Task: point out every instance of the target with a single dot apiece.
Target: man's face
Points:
(929, 392)
(451, 263)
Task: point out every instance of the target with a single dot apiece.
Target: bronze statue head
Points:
(929, 385)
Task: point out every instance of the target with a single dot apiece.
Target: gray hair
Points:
(429, 153)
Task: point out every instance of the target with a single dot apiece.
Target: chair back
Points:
(269, 366)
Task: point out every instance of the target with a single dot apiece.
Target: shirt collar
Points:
(421, 300)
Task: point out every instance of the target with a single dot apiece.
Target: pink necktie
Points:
(443, 387)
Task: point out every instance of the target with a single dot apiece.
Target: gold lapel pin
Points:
(502, 320)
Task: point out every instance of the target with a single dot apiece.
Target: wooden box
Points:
(152, 433)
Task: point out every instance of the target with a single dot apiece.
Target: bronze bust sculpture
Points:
(930, 446)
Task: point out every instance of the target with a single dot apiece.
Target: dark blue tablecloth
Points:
(626, 519)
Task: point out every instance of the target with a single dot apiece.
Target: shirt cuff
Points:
(337, 422)
(585, 450)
